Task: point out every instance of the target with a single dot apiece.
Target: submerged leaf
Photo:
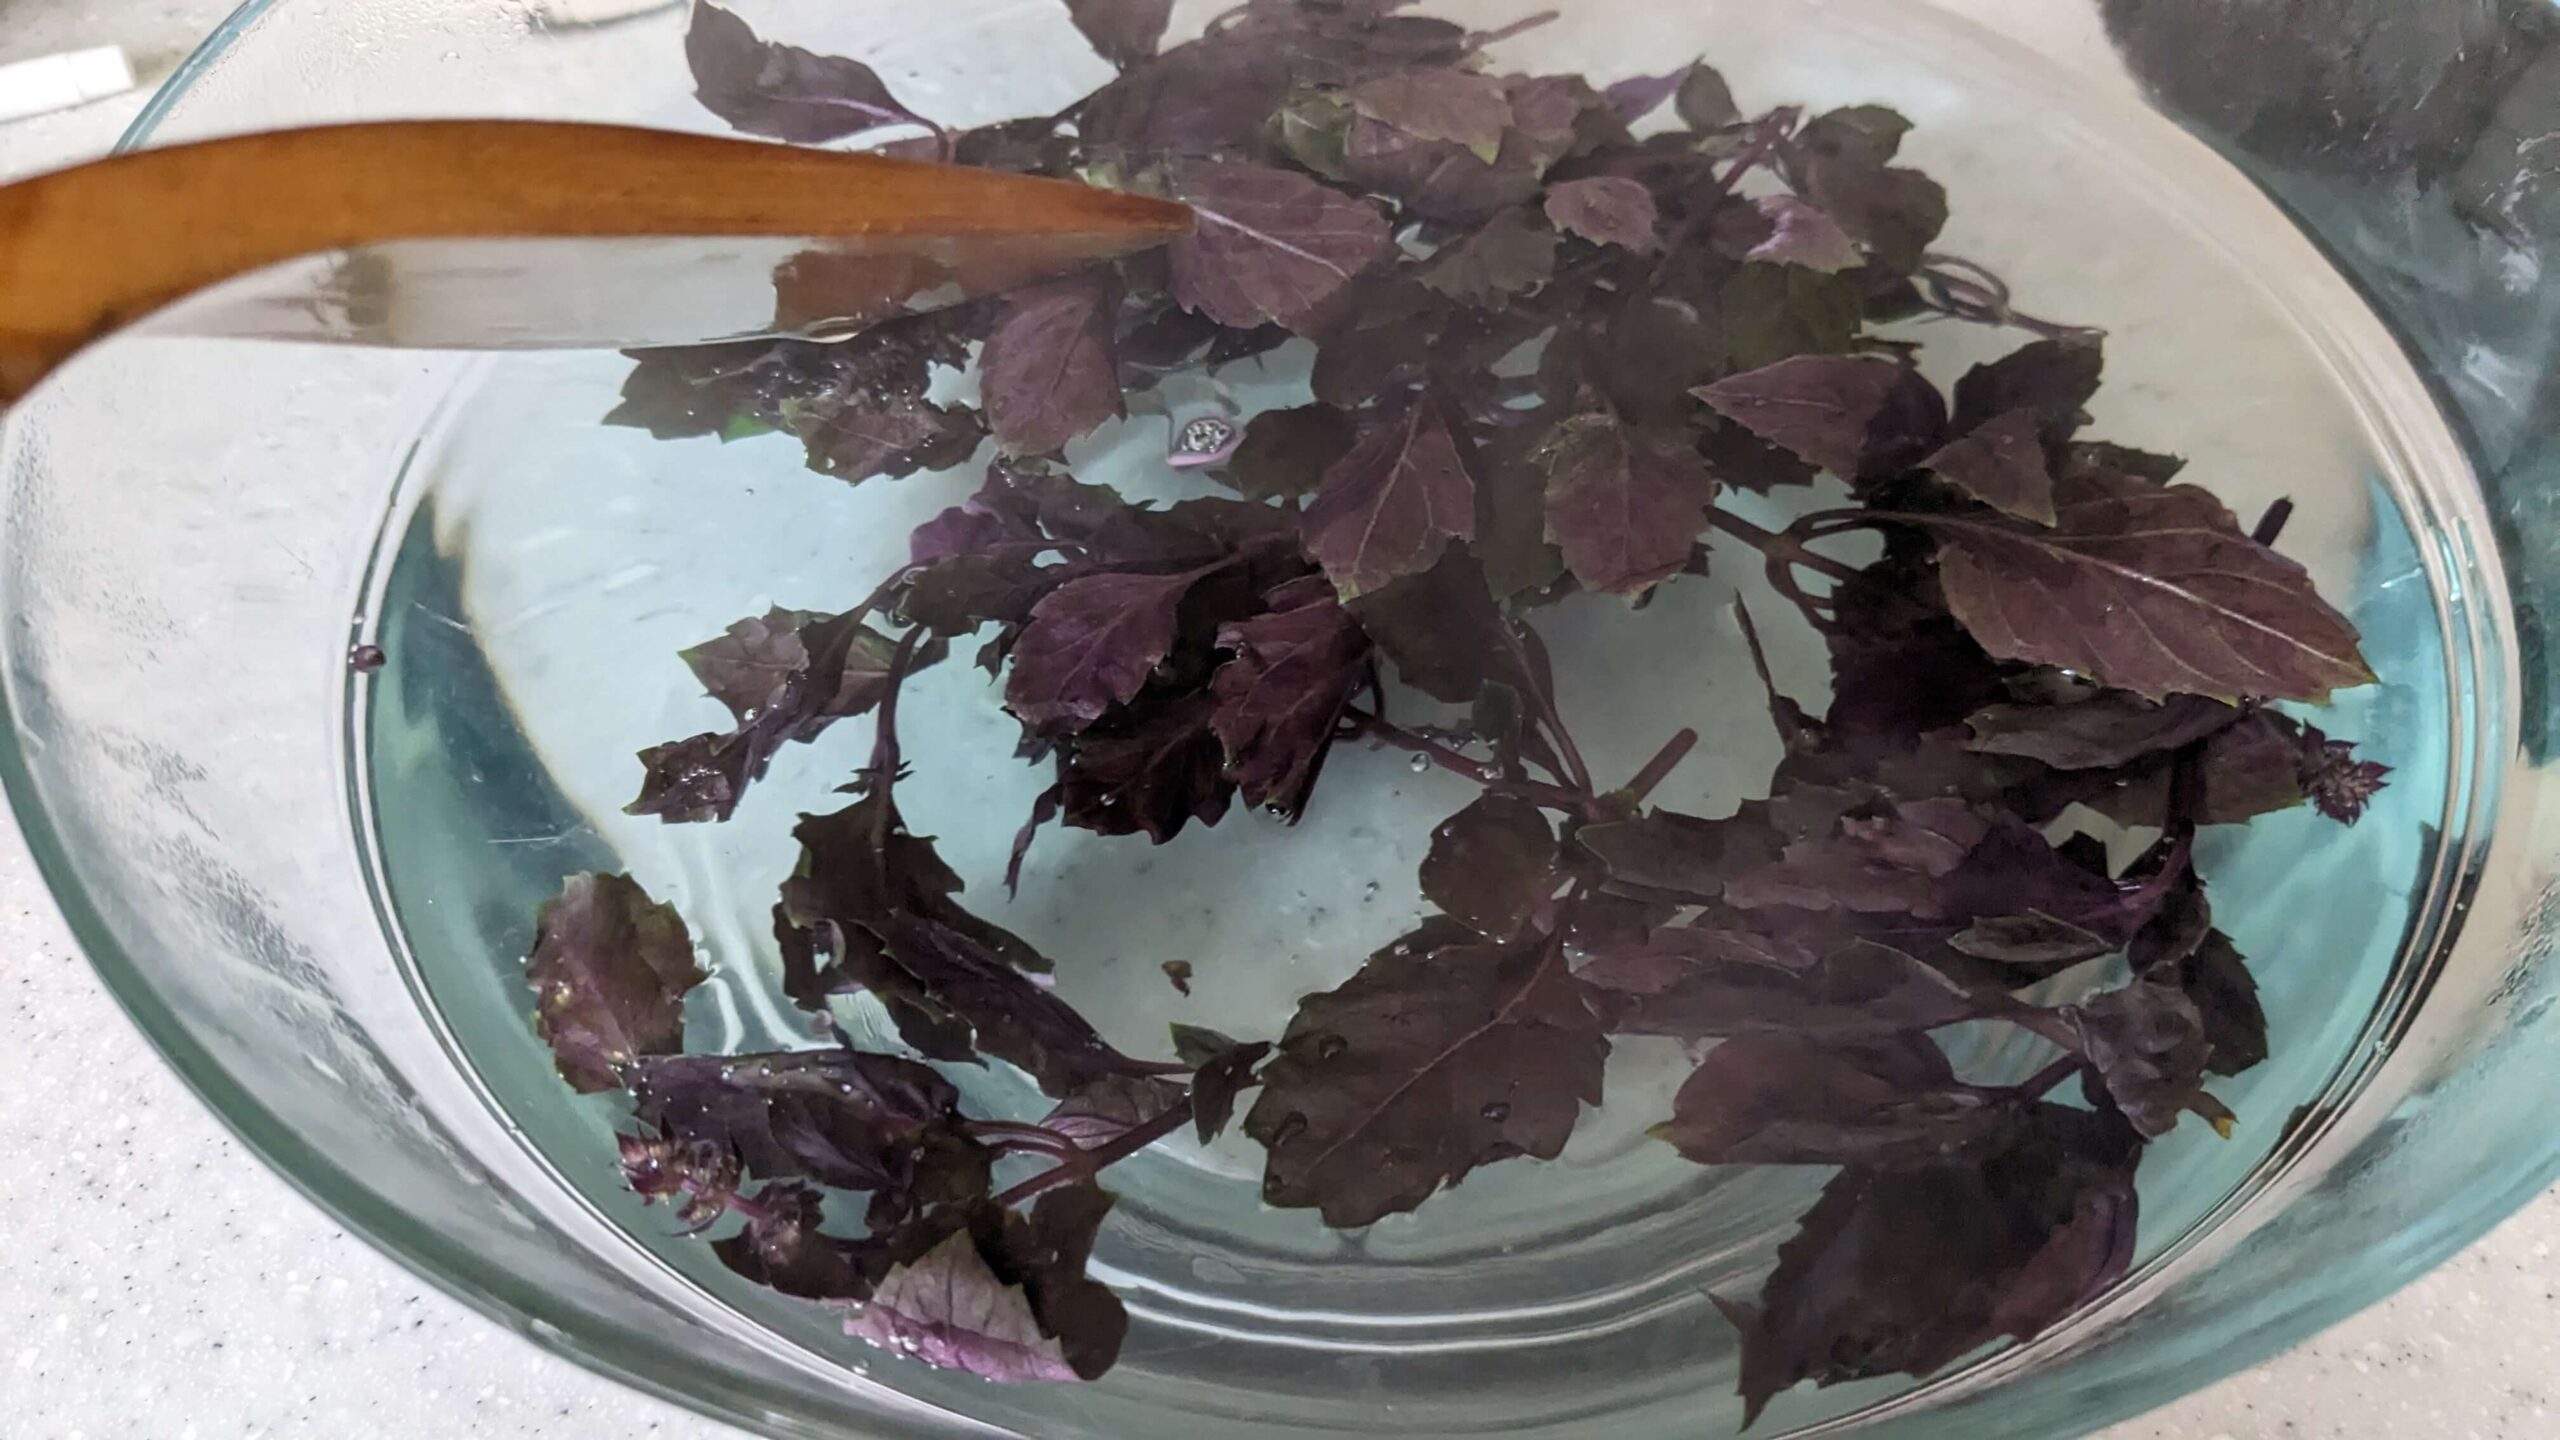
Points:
(1780, 1100)
(1492, 865)
(609, 970)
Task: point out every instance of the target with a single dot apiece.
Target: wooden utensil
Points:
(488, 234)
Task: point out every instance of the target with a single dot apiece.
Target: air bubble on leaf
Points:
(1290, 1129)
(1419, 764)
(1330, 1047)
(1496, 1111)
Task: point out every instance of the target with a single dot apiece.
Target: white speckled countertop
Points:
(160, 1283)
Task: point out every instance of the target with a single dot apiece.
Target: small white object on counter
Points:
(59, 82)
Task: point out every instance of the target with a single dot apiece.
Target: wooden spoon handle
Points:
(498, 234)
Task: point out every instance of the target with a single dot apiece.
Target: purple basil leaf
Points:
(1457, 106)
(2002, 465)
(1895, 212)
(1046, 1252)
(1492, 865)
(1681, 855)
(2339, 785)
(1780, 1100)
(1705, 101)
(1043, 810)
(841, 1118)
(1801, 235)
(1425, 1065)
(1637, 96)
(2153, 589)
(2034, 939)
(1091, 645)
(856, 440)
(1150, 769)
(1889, 865)
(1270, 246)
(1907, 1271)
(1861, 136)
(1123, 32)
(861, 866)
(2108, 730)
(948, 1309)
(783, 1249)
(1607, 210)
(1778, 312)
(1729, 983)
(783, 91)
(2053, 379)
(1858, 418)
(2218, 983)
(1281, 697)
(1392, 506)
(1049, 371)
(610, 968)
(1511, 255)
(1442, 628)
(1625, 508)
(1286, 453)
(2081, 458)
(1220, 1077)
(946, 972)
(699, 1178)
(2148, 1044)
(748, 667)
(1110, 1108)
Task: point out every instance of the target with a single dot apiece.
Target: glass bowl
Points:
(2316, 244)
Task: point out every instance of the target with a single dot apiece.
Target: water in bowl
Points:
(540, 571)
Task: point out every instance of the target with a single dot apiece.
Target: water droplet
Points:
(1370, 890)
(1110, 800)
(365, 659)
(1496, 1111)
(1290, 1129)
(1418, 764)
(1331, 1047)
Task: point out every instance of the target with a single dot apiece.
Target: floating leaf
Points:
(2149, 588)
(1857, 418)
(1623, 507)
(2003, 466)
(1607, 210)
(609, 970)
(1281, 697)
(1286, 453)
(1091, 645)
(2054, 380)
(1801, 235)
(1270, 246)
(1458, 106)
(1123, 32)
(1049, 372)
(1110, 1108)
(784, 91)
(1511, 255)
